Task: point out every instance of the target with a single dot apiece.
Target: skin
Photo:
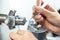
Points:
(50, 14)
(48, 18)
(22, 35)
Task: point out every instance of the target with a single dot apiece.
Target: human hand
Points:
(49, 14)
(48, 17)
(22, 35)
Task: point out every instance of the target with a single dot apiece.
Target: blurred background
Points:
(23, 9)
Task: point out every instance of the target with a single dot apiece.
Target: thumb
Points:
(43, 11)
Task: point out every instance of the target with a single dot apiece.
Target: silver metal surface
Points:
(34, 27)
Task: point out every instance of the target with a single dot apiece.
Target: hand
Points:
(22, 35)
(47, 25)
(48, 17)
(50, 14)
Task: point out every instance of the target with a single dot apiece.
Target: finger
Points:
(37, 17)
(43, 11)
(39, 2)
(35, 13)
(13, 35)
(39, 20)
(50, 8)
(51, 27)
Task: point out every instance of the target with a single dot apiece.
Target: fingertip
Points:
(37, 17)
(34, 7)
(11, 35)
(50, 8)
(40, 21)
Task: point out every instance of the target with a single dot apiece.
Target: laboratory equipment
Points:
(14, 20)
(3, 17)
(9, 23)
(11, 19)
(20, 20)
(26, 7)
(35, 27)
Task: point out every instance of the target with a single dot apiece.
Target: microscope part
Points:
(12, 12)
(34, 27)
(3, 17)
(20, 20)
(11, 17)
(11, 22)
